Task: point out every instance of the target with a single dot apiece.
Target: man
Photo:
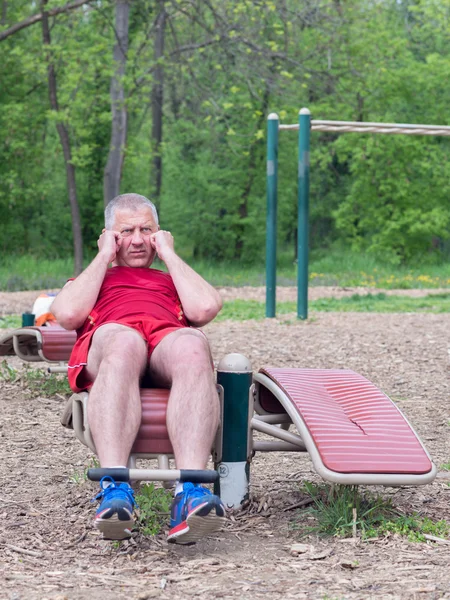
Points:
(129, 320)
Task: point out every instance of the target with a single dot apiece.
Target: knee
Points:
(192, 352)
(125, 350)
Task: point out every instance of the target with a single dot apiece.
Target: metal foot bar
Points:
(278, 433)
(274, 419)
(263, 446)
(194, 476)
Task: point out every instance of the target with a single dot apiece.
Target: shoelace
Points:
(191, 490)
(127, 490)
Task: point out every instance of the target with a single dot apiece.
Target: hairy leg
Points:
(117, 358)
(182, 360)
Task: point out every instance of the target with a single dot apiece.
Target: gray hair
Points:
(127, 201)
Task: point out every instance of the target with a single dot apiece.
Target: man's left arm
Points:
(201, 301)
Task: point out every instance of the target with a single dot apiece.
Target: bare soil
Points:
(49, 548)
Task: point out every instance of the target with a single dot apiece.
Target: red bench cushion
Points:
(152, 437)
(356, 427)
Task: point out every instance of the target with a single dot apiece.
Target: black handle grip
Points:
(198, 476)
(119, 474)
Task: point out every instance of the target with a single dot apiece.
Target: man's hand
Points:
(75, 301)
(162, 242)
(109, 243)
(200, 301)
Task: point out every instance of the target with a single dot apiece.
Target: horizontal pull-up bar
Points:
(304, 127)
(366, 127)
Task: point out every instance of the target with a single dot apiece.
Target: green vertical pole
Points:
(234, 374)
(303, 213)
(271, 218)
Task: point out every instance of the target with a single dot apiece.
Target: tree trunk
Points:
(113, 169)
(157, 100)
(4, 12)
(65, 143)
(252, 172)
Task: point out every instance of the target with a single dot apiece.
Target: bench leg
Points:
(234, 374)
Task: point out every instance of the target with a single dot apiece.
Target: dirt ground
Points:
(49, 548)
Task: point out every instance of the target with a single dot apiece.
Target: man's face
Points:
(135, 228)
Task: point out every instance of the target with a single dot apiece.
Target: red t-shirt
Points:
(136, 292)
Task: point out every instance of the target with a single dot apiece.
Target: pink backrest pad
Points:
(356, 427)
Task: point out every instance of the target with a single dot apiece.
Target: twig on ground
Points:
(299, 504)
(23, 551)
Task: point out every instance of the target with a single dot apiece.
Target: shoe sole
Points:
(197, 527)
(113, 528)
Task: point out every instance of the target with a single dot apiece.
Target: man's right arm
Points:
(75, 301)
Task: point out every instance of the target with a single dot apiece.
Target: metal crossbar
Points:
(363, 127)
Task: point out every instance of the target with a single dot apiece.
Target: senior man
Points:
(131, 319)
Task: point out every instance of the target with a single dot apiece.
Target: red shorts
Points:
(151, 330)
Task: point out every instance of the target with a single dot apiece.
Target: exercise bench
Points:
(353, 433)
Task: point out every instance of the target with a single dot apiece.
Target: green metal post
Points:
(271, 218)
(234, 374)
(303, 213)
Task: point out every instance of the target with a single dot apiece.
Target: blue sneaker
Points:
(114, 516)
(195, 512)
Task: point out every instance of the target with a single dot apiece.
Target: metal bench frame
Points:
(241, 411)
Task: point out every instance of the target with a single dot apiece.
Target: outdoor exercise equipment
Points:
(352, 431)
(304, 126)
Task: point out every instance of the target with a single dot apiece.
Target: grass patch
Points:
(7, 372)
(154, 508)
(342, 510)
(30, 273)
(330, 267)
(35, 380)
(79, 477)
(414, 528)
(241, 310)
(382, 303)
(333, 511)
(349, 269)
(10, 322)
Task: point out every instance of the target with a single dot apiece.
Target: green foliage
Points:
(383, 211)
(331, 267)
(413, 527)
(242, 310)
(33, 273)
(78, 477)
(10, 322)
(434, 303)
(226, 67)
(7, 372)
(36, 381)
(346, 268)
(154, 508)
(334, 509)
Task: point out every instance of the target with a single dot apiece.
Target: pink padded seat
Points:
(356, 428)
(152, 437)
